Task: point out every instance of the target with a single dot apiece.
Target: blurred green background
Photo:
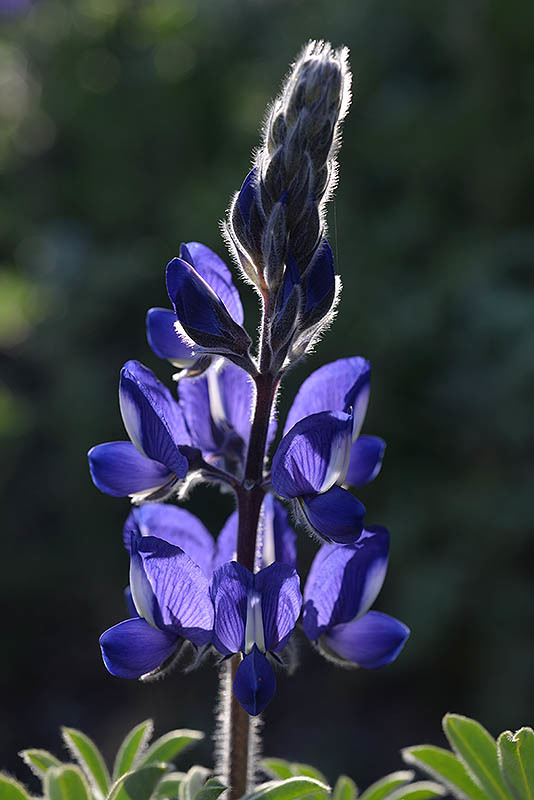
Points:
(124, 128)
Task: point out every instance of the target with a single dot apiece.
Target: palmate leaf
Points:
(169, 746)
(88, 756)
(66, 782)
(39, 760)
(515, 752)
(345, 789)
(446, 767)
(478, 752)
(10, 789)
(290, 789)
(139, 784)
(388, 784)
(168, 787)
(193, 782)
(132, 748)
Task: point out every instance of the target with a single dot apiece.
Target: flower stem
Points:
(239, 755)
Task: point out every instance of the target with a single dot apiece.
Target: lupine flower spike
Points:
(238, 596)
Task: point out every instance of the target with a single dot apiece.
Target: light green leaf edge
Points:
(132, 748)
(66, 782)
(168, 787)
(150, 775)
(211, 789)
(10, 789)
(420, 790)
(345, 789)
(445, 767)
(483, 767)
(193, 782)
(307, 771)
(387, 784)
(276, 768)
(170, 745)
(517, 768)
(39, 760)
(88, 756)
(290, 789)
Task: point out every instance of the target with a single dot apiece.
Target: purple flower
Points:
(171, 596)
(164, 333)
(342, 585)
(156, 458)
(255, 614)
(322, 449)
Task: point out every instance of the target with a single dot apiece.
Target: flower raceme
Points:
(239, 595)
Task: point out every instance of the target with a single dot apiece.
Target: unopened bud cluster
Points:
(276, 224)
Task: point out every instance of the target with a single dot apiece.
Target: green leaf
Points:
(302, 788)
(211, 790)
(132, 748)
(10, 789)
(388, 784)
(478, 751)
(89, 758)
(169, 746)
(445, 767)
(193, 783)
(39, 761)
(66, 782)
(168, 787)
(307, 771)
(137, 784)
(345, 789)
(421, 790)
(276, 768)
(516, 759)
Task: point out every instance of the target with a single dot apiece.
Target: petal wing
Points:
(132, 648)
(313, 456)
(344, 581)
(164, 339)
(371, 641)
(230, 588)
(281, 601)
(365, 460)
(119, 469)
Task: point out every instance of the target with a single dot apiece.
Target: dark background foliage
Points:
(125, 127)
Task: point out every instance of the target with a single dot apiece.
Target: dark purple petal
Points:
(237, 396)
(119, 469)
(313, 456)
(246, 195)
(164, 340)
(215, 272)
(279, 541)
(336, 515)
(176, 526)
(169, 590)
(152, 417)
(319, 287)
(254, 683)
(344, 581)
(132, 648)
(371, 641)
(230, 588)
(227, 541)
(201, 308)
(279, 588)
(195, 403)
(365, 460)
(337, 386)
